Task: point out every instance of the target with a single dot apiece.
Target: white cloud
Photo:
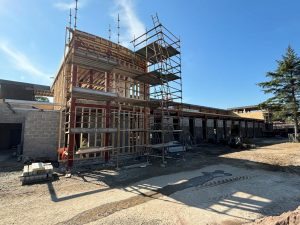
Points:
(128, 18)
(22, 62)
(67, 5)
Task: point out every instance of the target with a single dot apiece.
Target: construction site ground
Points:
(213, 185)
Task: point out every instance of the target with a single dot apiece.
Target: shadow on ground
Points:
(244, 197)
(273, 200)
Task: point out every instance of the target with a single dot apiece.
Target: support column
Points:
(119, 134)
(91, 80)
(107, 125)
(107, 118)
(72, 119)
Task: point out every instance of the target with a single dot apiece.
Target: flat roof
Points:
(39, 90)
(245, 107)
(34, 86)
(205, 107)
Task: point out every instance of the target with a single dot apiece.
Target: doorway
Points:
(10, 136)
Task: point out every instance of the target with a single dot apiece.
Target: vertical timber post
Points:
(72, 120)
(107, 119)
(118, 134)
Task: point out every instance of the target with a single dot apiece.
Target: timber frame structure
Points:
(115, 102)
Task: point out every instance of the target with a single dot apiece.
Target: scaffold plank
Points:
(153, 48)
(156, 77)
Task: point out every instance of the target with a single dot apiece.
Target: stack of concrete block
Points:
(37, 172)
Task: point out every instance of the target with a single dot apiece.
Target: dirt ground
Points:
(287, 218)
(281, 154)
(213, 185)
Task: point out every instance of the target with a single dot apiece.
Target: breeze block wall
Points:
(184, 122)
(198, 131)
(210, 129)
(11, 116)
(243, 129)
(261, 125)
(220, 130)
(228, 129)
(41, 135)
(250, 129)
(256, 129)
(8, 115)
(168, 125)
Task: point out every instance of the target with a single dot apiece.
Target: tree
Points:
(41, 99)
(284, 85)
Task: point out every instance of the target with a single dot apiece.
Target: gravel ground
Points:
(238, 196)
(282, 154)
(229, 188)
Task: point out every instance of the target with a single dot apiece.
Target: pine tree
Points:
(284, 85)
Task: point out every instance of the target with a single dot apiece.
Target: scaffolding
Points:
(161, 50)
(118, 103)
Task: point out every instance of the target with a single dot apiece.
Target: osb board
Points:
(103, 46)
(252, 115)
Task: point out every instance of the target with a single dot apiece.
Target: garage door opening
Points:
(10, 136)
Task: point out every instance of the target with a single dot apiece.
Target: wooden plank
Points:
(93, 150)
(79, 130)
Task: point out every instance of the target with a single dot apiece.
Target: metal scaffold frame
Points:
(161, 49)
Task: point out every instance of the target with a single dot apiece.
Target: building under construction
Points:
(107, 92)
(112, 103)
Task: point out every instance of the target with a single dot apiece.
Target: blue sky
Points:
(227, 45)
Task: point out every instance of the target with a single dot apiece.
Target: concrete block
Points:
(37, 166)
